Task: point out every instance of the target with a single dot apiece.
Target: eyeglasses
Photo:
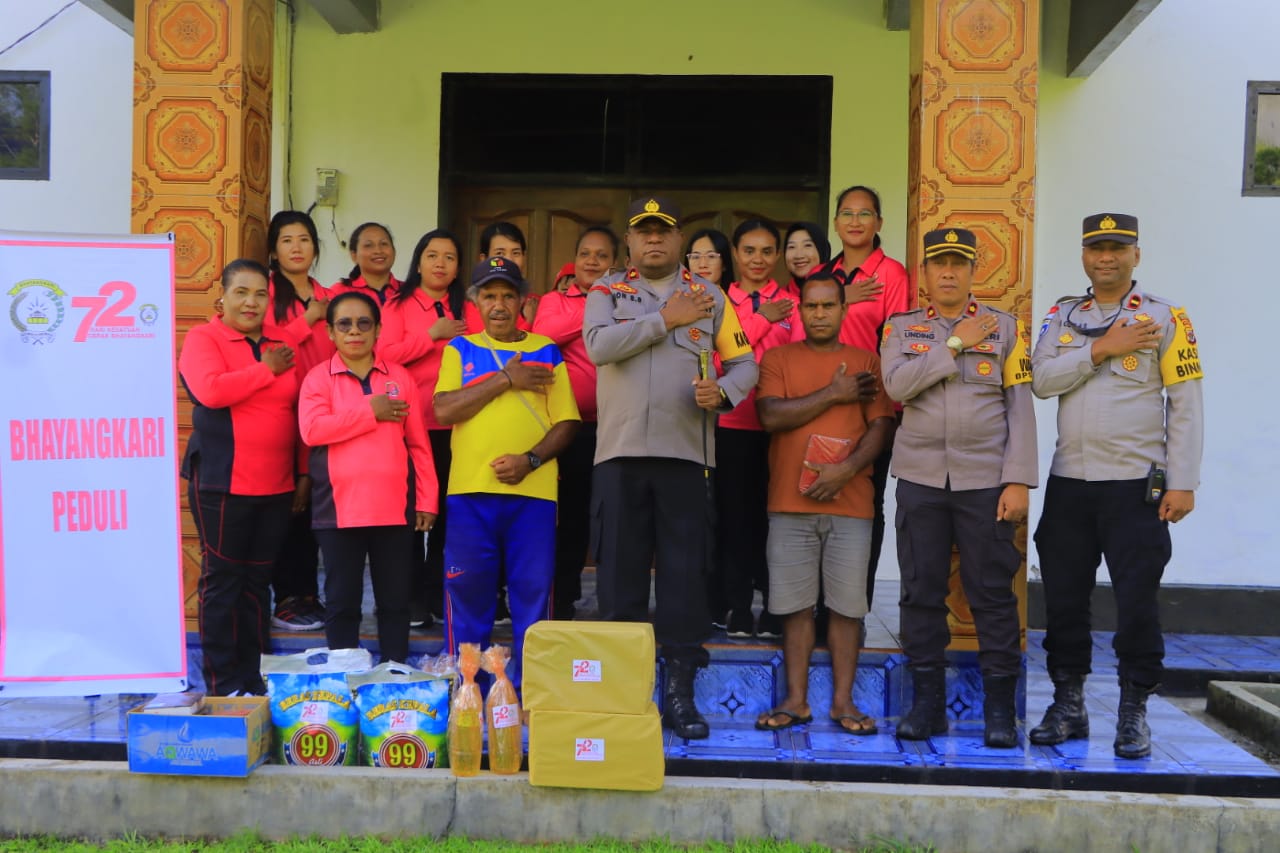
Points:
(694, 257)
(860, 215)
(344, 325)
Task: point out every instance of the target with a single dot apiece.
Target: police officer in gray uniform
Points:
(965, 457)
(652, 330)
(1125, 368)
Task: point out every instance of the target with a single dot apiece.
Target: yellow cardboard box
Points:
(581, 749)
(589, 666)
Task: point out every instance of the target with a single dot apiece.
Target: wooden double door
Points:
(552, 218)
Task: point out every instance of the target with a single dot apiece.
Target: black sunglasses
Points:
(364, 324)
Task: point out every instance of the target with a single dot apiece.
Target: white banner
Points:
(90, 535)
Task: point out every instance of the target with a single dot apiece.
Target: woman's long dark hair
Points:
(413, 280)
(355, 241)
(721, 244)
(284, 293)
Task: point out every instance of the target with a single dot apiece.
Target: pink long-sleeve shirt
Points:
(364, 472)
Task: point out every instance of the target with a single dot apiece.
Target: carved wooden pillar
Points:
(202, 155)
(973, 165)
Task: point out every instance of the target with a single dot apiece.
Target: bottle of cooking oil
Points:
(502, 715)
(466, 726)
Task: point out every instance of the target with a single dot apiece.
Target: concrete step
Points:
(102, 800)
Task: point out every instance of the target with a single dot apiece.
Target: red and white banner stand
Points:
(90, 535)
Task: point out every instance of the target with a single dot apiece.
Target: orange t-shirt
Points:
(795, 370)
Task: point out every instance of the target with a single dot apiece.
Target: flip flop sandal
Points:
(791, 720)
(861, 720)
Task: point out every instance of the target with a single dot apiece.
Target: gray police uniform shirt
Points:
(968, 420)
(1118, 417)
(645, 375)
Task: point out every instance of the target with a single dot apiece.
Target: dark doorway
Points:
(554, 153)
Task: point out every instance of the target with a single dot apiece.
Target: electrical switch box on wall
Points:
(327, 187)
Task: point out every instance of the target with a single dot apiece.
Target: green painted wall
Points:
(369, 104)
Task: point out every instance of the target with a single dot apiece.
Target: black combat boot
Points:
(999, 711)
(928, 714)
(679, 713)
(1066, 719)
(1133, 736)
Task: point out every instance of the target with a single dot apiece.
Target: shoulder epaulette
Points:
(1151, 297)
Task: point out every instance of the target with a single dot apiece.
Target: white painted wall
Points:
(1158, 131)
(91, 82)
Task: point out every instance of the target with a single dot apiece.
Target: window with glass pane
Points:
(24, 125)
(1262, 140)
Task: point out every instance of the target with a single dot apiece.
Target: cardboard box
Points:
(231, 738)
(606, 667)
(578, 749)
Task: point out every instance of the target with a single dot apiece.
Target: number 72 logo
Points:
(104, 312)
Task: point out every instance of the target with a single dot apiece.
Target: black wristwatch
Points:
(534, 460)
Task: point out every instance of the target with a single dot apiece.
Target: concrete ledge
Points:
(1252, 709)
(102, 800)
(1184, 609)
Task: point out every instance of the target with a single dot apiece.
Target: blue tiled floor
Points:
(1187, 756)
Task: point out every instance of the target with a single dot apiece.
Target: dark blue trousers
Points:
(491, 537)
(929, 521)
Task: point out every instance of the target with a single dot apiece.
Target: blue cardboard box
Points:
(231, 738)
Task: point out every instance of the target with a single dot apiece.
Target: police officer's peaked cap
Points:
(1119, 227)
(653, 207)
(960, 241)
(498, 269)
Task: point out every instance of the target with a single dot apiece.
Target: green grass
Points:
(249, 843)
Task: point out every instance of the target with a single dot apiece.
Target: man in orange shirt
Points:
(829, 418)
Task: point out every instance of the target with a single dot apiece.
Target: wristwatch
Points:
(534, 460)
(956, 344)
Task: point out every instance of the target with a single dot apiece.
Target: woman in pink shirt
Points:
(373, 252)
(766, 311)
(428, 311)
(240, 464)
(560, 318)
(709, 255)
(373, 482)
(298, 304)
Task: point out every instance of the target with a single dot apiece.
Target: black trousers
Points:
(573, 519)
(929, 521)
(240, 538)
(655, 513)
(427, 579)
(295, 571)
(388, 549)
(1083, 522)
(742, 529)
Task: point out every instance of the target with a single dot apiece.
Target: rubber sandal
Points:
(764, 725)
(859, 718)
